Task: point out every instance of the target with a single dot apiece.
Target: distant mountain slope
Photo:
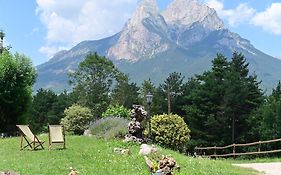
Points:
(183, 38)
(54, 73)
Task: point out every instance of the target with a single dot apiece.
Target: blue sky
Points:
(40, 28)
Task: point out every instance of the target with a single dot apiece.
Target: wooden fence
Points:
(203, 150)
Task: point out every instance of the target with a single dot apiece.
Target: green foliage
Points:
(147, 87)
(172, 88)
(76, 119)
(17, 75)
(117, 111)
(169, 130)
(125, 93)
(266, 120)
(93, 81)
(219, 103)
(158, 100)
(110, 127)
(47, 108)
(166, 96)
(41, 110)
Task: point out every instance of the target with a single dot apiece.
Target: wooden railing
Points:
(203, 150)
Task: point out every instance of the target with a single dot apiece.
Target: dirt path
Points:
(266, 168)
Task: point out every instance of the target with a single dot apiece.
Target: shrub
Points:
(169, 131)
(76, 119)
(110, 127)
(117, 111)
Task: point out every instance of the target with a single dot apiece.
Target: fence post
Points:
(233, 150)
(195, 151)
(259, 148)
(215, 153)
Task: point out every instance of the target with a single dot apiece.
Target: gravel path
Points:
(266, 168)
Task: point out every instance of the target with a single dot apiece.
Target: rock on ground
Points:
(147, 149)
(9, 173)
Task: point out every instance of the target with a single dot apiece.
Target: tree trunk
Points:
(233, 128)
(169, 99)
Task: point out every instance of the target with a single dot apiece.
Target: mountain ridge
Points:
(153, 44)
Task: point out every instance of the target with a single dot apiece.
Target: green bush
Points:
(76, 119)
(169, 131)
(117, 111)
(110, 127)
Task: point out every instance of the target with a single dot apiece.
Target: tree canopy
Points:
(17, 75)
(47, 109)
(221, 101)
(93, 82)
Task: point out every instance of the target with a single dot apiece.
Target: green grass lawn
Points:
(92, 156)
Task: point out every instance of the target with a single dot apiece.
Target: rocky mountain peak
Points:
(145, 9)
(143, 33)
(148, 5)
(184, 38)
(187, 12)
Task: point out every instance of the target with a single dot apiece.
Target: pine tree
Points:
(266, 120)
(221, 101)
(172, 87)
(125, 93)
(205, 112)
(243, 96)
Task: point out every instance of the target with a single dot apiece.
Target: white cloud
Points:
(270, 19)
(51, 50)
(217, 5)
(241, 14)
(69, 22)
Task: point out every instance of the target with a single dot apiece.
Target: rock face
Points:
(184, 38)
(190, 21)
(184, 13)
(149, 33)
(143, 36)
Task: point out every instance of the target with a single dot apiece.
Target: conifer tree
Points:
(266, 121)
(172, 87)
(221, 101)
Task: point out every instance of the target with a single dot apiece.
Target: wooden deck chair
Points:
(32, 140)
(56, 135)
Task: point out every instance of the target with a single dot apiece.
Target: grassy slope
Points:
(91, 156)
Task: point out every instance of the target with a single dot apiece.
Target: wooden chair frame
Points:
(32, 140)
(51, 142)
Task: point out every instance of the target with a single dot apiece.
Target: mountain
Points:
(54, 73)
(144, 35)
(185, 37)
